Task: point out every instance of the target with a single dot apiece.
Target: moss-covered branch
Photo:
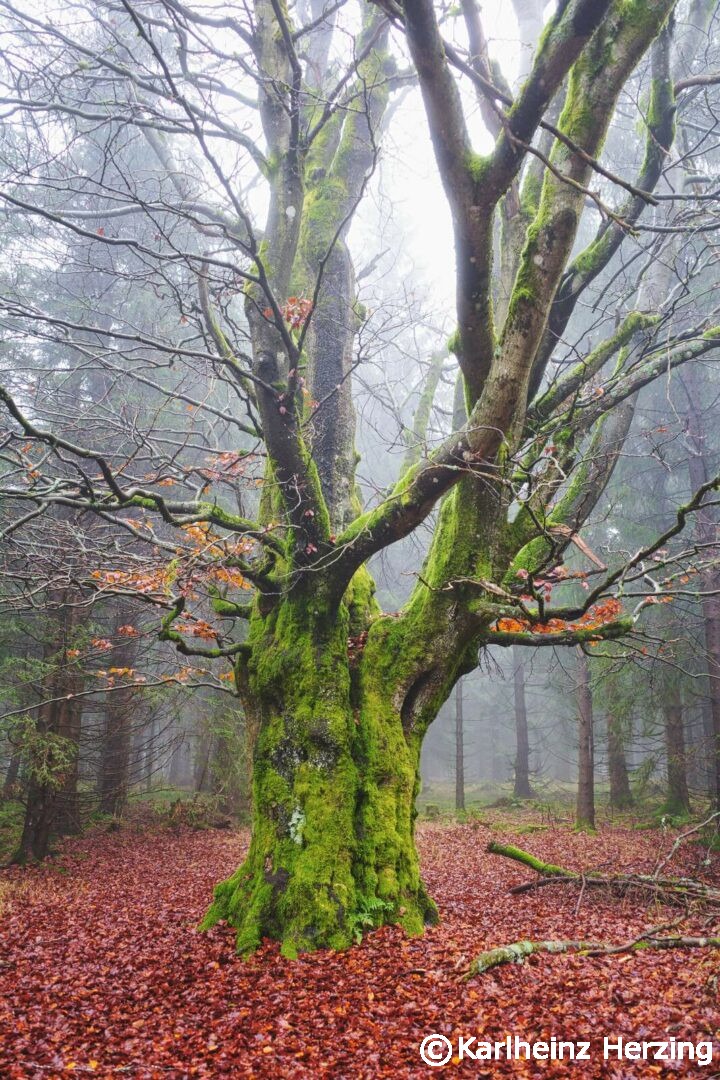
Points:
(509, 851)
(519, 950)
(596, 81)
(585, 267)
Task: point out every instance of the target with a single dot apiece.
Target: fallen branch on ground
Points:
(516, 953)
(677, 891)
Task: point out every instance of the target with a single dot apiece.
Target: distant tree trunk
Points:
(678, 797)
(179, 770)
(706, 534)
(149, 756)
(202, 762)
(230, 780)
(51, 799)
(68, 818)
(496, 772)
(459, 749)
(585, 813)
(620, 794)
(522, 742)
(711, 616)
(114, 779)
(11, 776)
(707, 750)
(114, 767)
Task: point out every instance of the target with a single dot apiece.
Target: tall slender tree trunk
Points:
(459, 748)
(678, 796)
(68, 818)
(706, 532)
(203, 754)
(179, 760)
(149, 755)
(585, 811)
(114, 779)
(522, 788)
(115, 763)
(620, 794)
(11, 776)
(51, 799)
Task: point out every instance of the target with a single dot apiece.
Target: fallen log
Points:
(519, 950)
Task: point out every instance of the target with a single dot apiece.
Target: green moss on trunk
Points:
(334, 783)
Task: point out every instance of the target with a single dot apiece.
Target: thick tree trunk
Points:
(585, 812)
(522, 788)
(334, 783)
(459, 749)
(678, 797)
(620, 794)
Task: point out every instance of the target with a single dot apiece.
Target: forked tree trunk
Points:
(334, 784)
(585, 812)
(678, 796)
(620, 794)
(459, 749)
(522, 788)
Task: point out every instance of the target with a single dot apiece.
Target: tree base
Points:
(305, 916)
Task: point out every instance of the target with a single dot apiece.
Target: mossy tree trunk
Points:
(334, 785)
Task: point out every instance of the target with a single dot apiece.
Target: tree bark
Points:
(522, 788)
(585, 811)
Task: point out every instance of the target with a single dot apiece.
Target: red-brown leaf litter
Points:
(103, 973)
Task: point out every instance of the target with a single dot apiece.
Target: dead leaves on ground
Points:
(103, 973)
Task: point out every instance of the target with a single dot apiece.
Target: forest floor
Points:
(103, 973)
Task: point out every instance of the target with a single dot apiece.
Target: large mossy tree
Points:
(339, 693)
